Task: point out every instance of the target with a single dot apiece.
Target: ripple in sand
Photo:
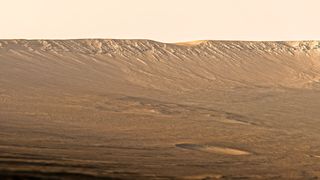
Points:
(202, 177)
(315, 156)
(232, 121)
(214, 149)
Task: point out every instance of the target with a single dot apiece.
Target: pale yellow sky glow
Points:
(162, 20)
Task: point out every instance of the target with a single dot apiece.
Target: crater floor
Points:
(140, 109)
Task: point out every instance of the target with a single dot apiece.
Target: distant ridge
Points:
(110, 45)
(167, 67)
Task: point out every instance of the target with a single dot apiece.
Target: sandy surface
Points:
(140, 109)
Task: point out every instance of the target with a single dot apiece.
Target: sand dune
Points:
(124, 109)
(214, 149)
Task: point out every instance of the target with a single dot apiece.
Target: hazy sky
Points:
(162, 20)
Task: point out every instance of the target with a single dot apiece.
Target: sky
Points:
(161, 20)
